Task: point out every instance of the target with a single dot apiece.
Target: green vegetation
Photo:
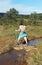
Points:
(36, 58)
(12, 17)
(9, 21)
(10, 30)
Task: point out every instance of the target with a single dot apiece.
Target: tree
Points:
(33, 18)
(12, 13)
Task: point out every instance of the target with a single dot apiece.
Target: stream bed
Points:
(16, 57)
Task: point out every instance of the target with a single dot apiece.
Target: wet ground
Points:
(16, 57)
(34, 42)
(13, 58)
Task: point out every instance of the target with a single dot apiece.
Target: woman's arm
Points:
(18, 29)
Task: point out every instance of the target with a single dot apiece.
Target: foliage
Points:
(12, 13)
(13, 17)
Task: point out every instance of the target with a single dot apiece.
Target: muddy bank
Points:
(34, 37)
(8, 43)
(14, 57)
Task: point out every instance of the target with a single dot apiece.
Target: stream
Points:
(16, 57)
(35, 42)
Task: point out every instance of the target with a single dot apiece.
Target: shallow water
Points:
(35, 42)
(12, 58)
(16, 57)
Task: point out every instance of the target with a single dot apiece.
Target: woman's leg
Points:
(25, 38)
(18, 39)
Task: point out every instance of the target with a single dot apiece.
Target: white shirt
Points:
(22, 28)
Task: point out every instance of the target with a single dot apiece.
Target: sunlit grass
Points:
(35, 58)
(34, 30)
(8, 34)
(10, 30)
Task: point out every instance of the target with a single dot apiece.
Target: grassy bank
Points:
(32, 57)
(10, 30)
(8, 39)
(8, 34)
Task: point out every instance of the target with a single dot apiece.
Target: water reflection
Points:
(16, 57)
(34, 42)
(13, 58)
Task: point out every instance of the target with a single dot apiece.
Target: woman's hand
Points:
(16, 30)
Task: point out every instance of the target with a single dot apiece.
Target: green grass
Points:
(7, 40)
(10, 30)
(8, 33)
(35, 58)
(34, 30)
